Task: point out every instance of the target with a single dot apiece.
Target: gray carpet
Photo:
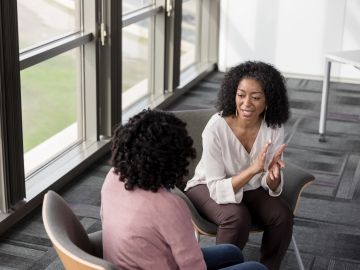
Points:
(327, 223)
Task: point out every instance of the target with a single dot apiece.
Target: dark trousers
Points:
(234, 221)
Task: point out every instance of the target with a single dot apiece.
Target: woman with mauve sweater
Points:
(144, 226)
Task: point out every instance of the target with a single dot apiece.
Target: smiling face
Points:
(250, 100)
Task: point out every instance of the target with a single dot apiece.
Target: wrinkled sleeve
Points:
(277, 139)
(178, 232)
(219, 185)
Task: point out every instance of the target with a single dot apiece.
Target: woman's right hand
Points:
(259, 164)
(239, 180)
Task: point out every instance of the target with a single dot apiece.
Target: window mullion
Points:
(173, 40)
(40, 54)
(157, 54)
(109, 68)
(89, 80)
(10, 116)
(177, 42)
(115, 61)
(209, 39)
(140, 15)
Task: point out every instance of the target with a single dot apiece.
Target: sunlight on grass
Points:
(134, 71)
(48, 98)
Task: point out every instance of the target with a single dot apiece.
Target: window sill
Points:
(65, 167)
(54, 176)
(189, 78)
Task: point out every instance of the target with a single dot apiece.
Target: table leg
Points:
(324, 100)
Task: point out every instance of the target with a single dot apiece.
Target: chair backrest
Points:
(296, 180)
(196, 121)
(202, 225)
(69, 237)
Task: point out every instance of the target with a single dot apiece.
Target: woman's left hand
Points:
(274, 176)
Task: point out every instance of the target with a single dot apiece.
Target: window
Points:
(72, 69)
(189, 33)
(51, 19)
(136, 62)
(58, 87)
(51, 108)
(51, 88)
(129, 6)
(143, 46)
(199, 38)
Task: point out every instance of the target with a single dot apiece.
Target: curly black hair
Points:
(152, 150)
(273, 85)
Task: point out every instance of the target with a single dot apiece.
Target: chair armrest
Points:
(96, 243)
(295, 180)
(202, 225)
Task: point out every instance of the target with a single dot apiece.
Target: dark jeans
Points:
(234, 221)
(227, 257)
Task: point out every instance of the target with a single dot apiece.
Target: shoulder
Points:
(273, 130)
(276, 135)
(111, 179)
(170, 204)
(216, 122)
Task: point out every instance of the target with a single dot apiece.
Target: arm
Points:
(273, 178)
(224, 189)
(178, 232)
(219, 185)
(245, 176)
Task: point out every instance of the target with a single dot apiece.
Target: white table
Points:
(344, 57)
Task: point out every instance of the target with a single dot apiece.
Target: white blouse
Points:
(224, 156)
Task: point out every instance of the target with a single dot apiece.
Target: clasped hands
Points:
(274, 177)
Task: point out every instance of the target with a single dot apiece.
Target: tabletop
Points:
(346, 57)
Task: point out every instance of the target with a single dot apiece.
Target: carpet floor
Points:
(327, 221)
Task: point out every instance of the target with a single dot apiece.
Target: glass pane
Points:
(50, 94)
(42, 20)
(135, 62)
(189, 33)
(132, 5)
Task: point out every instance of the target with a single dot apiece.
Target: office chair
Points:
(298, 178)
(76, 249)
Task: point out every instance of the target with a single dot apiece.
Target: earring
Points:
(265, 113)
(236, 112)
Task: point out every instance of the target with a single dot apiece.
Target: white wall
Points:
(293, 35)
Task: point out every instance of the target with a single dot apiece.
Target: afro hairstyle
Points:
(152, 150)
(272, 83)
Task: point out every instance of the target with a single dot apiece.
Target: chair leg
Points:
(297, 254)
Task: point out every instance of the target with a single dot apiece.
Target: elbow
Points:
(214, 192)
(222, 193)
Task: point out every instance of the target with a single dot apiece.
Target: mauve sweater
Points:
(147, 230)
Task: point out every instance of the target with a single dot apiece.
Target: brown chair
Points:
(295, 178)
(76, 249)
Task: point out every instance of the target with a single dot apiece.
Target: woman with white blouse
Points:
(239, 179)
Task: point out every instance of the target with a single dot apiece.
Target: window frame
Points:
(18, 192)
(157, 14)
(10, 117)
(62, 167)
